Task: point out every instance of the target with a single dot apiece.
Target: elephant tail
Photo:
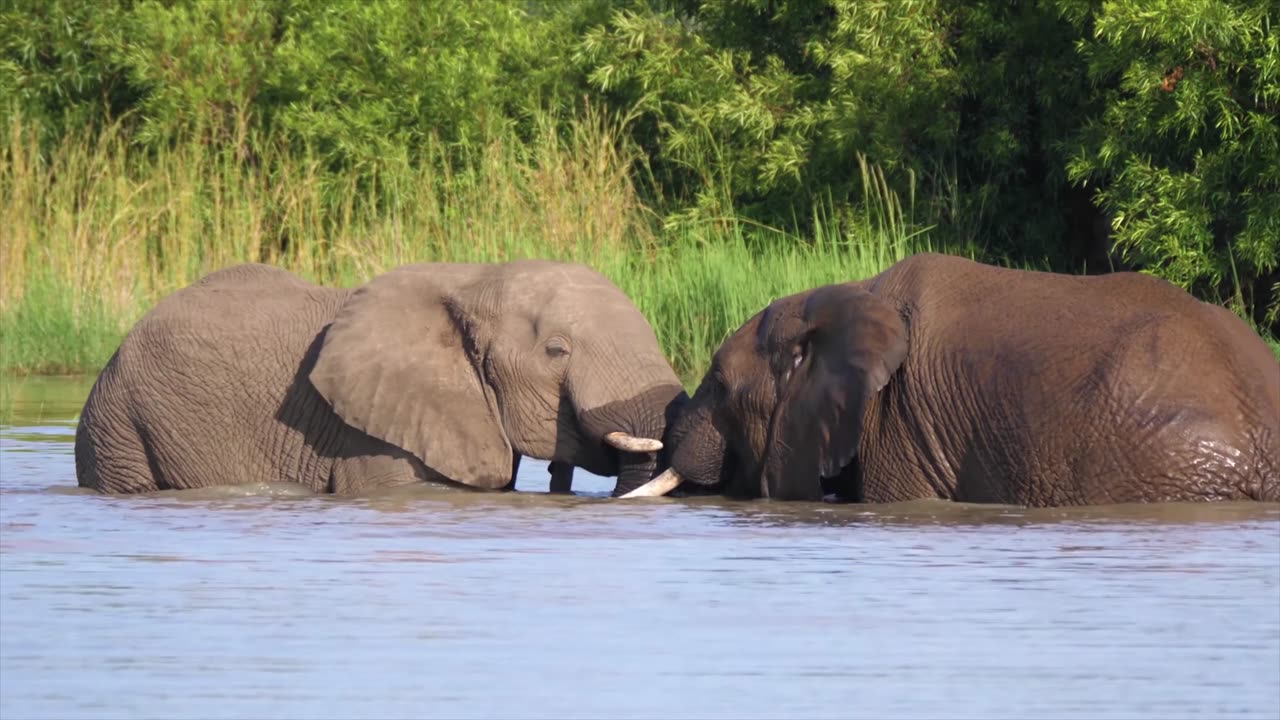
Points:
(86, 459)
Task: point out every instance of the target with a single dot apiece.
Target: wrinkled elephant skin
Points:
(443, 372)
(946, 378)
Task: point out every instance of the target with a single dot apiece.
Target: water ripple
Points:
(439, 603)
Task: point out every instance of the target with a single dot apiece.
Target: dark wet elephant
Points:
(942, 377)
(428, 372)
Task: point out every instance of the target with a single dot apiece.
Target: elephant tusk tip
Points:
(631, 443)
(657, 487)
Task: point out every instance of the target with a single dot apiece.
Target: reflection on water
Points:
(431, 603)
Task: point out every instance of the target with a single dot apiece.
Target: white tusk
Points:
(657, 487)
(631, 443)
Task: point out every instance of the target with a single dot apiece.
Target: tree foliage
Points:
(1077, 133)
(1185, 147)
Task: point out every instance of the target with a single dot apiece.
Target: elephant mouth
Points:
(634, 459)
(663, 484)
(844, 487)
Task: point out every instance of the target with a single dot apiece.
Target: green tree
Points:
(200, 68)
(57, 65)
(366, 81)
(1039, 131)
(1186, 149)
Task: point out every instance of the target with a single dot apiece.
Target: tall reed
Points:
(96, 230)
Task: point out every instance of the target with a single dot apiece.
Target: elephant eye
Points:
(798, 352)
(557, 347)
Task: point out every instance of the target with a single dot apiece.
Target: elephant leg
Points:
(120, 465)
(515, 469)
(561, 477)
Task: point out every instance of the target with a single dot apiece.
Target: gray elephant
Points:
(946, 378)
(428, 372)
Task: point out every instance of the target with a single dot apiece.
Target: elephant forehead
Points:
(586, 318)
(778, 324)
(566, 294)
(741, 357)
(553, 274)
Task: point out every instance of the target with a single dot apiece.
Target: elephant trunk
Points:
(631, 431)
(634, 470)
(664, 483)
(694, 450)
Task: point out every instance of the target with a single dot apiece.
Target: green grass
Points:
(48, 332)
(694, 291)
(94, 233)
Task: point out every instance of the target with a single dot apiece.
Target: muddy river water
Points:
(455, 604)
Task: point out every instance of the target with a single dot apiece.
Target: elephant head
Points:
(783, 404)
(470, 366)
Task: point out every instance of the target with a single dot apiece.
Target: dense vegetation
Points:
(707, 155)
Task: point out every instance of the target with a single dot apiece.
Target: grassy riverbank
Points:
(94, 233)
(693, 293)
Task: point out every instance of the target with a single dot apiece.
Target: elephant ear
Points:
(395, 364)
(853, 343)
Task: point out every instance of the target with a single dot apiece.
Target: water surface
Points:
(447, 603)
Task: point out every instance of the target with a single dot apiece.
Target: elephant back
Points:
(198, 382)
(1078, 381)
